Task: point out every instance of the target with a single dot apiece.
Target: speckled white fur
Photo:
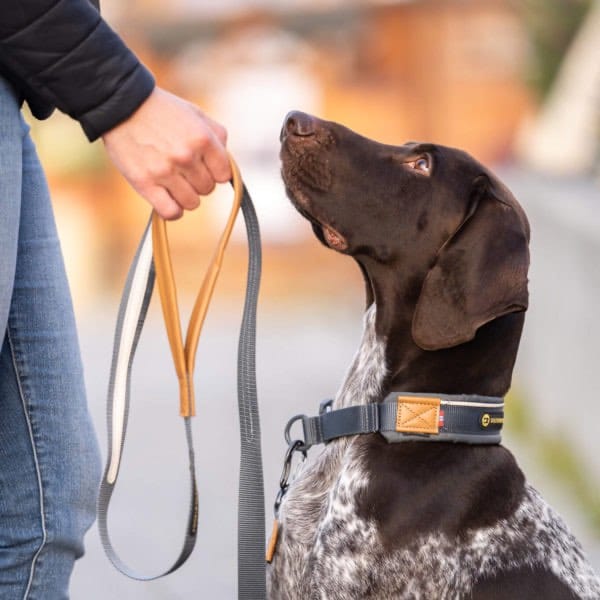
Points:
(314, 497)
(435, 566)
(327, 552)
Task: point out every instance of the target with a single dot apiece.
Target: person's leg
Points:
(11, 144)
(14, 551)
(49, 461)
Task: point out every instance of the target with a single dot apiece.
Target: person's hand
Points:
(170, 152)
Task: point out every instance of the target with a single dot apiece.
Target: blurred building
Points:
(443, 70)
(448, 71)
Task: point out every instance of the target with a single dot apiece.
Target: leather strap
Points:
(184, 356)
(153, 258)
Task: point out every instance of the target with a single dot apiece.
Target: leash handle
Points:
(152, 261)
(184, 356)
(130, 321)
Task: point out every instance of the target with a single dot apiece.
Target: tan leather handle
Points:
(184, 355)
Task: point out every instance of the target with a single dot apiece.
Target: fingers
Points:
(216, 158)
(182, 192)
(217, 163)
(200, 180)
(189, 163)
(163, 203)
(174, 194)
(205, 162)
(170, 152)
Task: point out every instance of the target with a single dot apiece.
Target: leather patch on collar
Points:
(418, 415)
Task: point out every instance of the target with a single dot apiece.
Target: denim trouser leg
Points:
(49, 461)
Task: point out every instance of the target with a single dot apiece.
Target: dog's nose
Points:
(297, 123)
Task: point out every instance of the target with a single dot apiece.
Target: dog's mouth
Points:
(322, 228)
(334, 239)
(306, 172)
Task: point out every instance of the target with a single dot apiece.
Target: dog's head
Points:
(428, 218)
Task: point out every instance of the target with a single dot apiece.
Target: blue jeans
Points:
(49, 459)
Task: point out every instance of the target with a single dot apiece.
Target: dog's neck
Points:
(388, 358)
(482, 366)
(368, 372)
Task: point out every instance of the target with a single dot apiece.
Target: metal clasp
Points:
(301, 444)
(325, 406)
(296, 446)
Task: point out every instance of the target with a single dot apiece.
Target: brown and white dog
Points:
(443, 247)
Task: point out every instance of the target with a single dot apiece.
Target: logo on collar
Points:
(491, 419)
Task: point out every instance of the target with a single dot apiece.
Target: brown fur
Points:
(444, 254)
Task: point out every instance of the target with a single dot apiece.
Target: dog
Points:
(443, 248)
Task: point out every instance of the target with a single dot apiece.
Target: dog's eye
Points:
(421, 164)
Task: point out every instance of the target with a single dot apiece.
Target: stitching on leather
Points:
(418, 415)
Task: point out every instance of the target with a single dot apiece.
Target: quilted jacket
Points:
(61, 53)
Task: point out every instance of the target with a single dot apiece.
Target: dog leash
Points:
(153, 262)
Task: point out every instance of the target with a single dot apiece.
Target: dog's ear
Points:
(480, 273)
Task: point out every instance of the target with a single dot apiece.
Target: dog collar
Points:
(407, 416)
(400, 417)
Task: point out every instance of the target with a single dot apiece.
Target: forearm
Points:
(68, 54)
(167, 148)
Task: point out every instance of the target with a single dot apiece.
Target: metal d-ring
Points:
(288, 437)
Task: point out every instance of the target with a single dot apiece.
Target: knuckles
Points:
(191, 150)
(184, 156)
(160, 171)
(221, 133)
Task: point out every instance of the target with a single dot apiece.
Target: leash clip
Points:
(296, 446)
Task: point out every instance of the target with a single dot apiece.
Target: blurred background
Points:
(517, 84)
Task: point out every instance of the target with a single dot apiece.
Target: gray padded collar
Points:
(407, 416)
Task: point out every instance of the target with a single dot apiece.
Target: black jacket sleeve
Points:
(67, 55)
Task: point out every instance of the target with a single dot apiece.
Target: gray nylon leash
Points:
(251, 514)
(130, 321)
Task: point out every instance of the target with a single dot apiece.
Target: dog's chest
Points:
(321, 498)
(340, 556)
(327, 551)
